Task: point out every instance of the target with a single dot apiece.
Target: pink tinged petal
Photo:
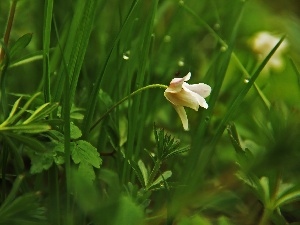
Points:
(182, 114)
(184, 98)
(176, 83)
(201, 89)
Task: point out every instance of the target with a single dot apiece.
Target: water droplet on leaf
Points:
(181, 62)
(126, 55)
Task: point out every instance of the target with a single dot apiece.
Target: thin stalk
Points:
(205, 25)
(8, 27)
(124, 99)
(207, 153)
(91, 103)
(247, 76)
(265, 217)
(153, 173)
(48, 10)
(3, 90)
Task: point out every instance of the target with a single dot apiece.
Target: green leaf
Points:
(12, 112)
(76, 116)
(113, 136)
(14, 191)
(26, 59)
(144, 171)
(87, 170)
(75, 131)
(194, 220)
(224, 221)
(20, 44)
(287, 193)
(59, 154)
(28, 128)
(265, 188)
(25, 210)
(84, 152)
(87, 156)
(40, 113)
(128, 212)
(40, 161)
(17, 116)
(28, 141)
(105, 99)
(164, 176)
(111, 180)
(244, 157)
(177, 152)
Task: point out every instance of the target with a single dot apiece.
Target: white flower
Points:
(263, 42)
(181, 94)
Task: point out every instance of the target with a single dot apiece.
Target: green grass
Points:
(87, 136)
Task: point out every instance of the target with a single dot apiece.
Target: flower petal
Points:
(182, 114)
(201, 88)
(176, 83)
(183, 98)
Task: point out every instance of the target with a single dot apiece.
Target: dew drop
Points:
(246, 81)
(126, 55)
(181, 63)
(167, 38)
(223, 49)
(217, 26)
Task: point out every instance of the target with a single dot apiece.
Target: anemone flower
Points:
(182, 94)
(263, 42)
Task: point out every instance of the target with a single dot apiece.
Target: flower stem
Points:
(265, 217)
(124, 99)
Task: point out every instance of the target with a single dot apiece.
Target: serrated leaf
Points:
(20, 44)
(75, 131)
(40, 161)
(137, 171)
(176, 152)
(144, 172)
(55, 135)
(59, 153)
(84, 152)
(164, 176)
